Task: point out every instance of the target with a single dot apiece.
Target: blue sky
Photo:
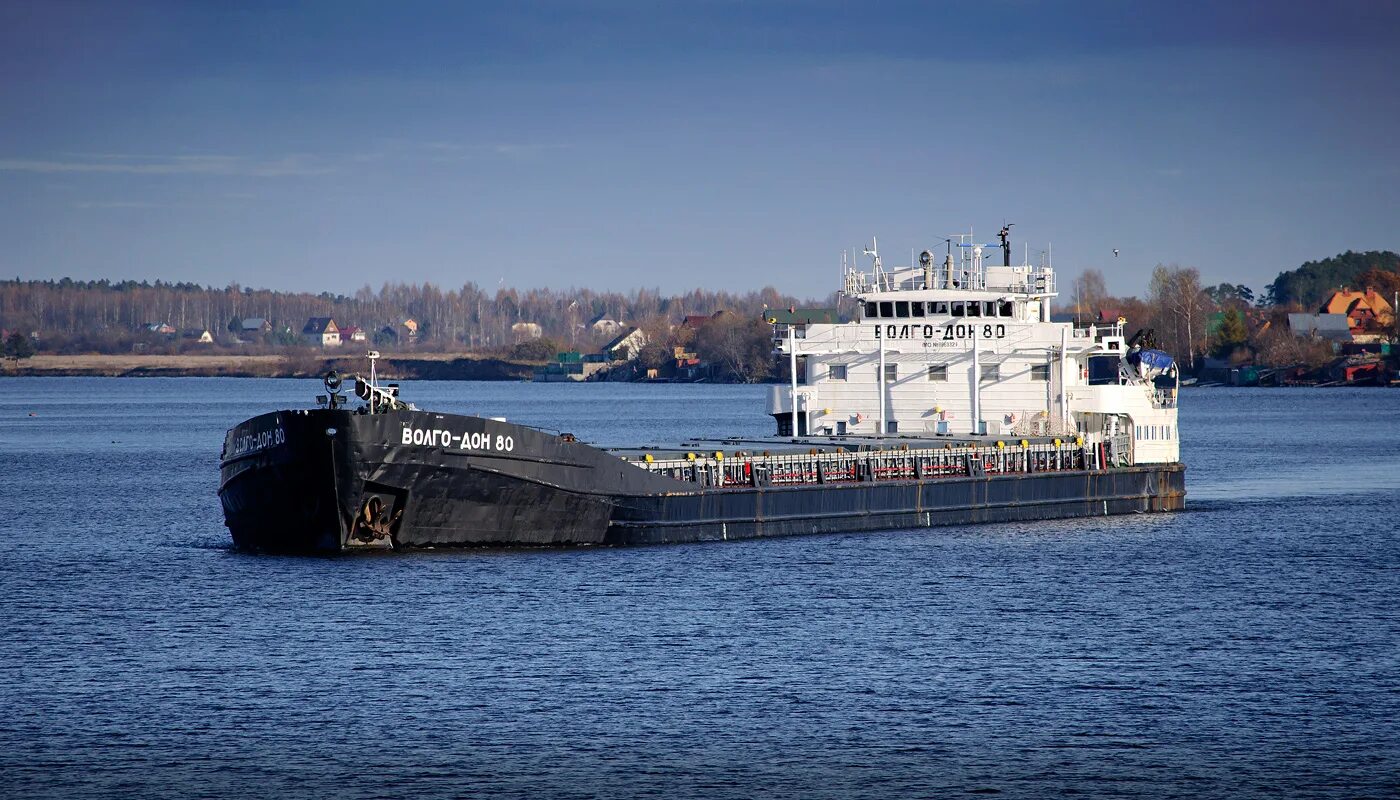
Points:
(325, 146)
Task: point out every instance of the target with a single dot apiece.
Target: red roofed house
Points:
(1365, 309)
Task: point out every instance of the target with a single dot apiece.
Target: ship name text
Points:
(946, 333)
(253, 441)
(441, 437)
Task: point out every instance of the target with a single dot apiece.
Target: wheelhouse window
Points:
(938, 372)
(871, 311)
(901, 309)
(938, 308)
(991, 372)
(989, 308)
(958, 310)
(916, 308)
(974, 308)
(836, 372)
(1040, 372)
(1008, 309)
(891, 373)
(887, 309)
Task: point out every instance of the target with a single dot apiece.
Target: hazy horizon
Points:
(324, 147)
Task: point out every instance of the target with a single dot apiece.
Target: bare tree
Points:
(1178, 300)
(1090, 290)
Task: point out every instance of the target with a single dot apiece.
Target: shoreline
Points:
(426, 366)
(418, 366)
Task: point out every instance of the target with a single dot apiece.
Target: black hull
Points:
(330, 481)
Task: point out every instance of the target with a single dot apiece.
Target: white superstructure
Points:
(962, 348)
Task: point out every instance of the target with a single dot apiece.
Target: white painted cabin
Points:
(968, 349)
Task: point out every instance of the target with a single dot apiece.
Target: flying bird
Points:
(1115, 252)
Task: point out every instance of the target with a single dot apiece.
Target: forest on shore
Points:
(1189, 319)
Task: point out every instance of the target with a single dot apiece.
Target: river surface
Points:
(1249, 647)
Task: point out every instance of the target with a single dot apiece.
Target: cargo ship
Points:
(950, 398)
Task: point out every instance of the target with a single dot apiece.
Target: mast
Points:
(880, 382)
(976, 385)
(1064, 378)
(792, 351)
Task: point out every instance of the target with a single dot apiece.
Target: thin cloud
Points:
(118, 204)
(446, 152)
(125, 164)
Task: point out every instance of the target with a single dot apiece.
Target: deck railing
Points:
(741, 468)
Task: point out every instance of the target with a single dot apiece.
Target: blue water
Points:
(1249, 647)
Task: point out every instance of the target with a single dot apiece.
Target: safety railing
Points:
(741, 468)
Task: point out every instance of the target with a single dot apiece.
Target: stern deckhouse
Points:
(957, 347)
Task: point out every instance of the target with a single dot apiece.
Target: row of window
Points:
(1152, 432)
(939, 372)
(903, 309)
(891, 426)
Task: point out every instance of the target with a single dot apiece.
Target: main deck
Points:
(735, 462)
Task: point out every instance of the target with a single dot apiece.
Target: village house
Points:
(523, 331)
(351, 333)
(1332, 327)
(604, 325)
(198, 336)
(321, 332)
(1368, 314)
(256, 326)
(626, 346)
(161, 328)
(1367, 306)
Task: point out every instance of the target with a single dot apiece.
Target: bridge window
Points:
(836, 372)
(901, 309)
(887, 309)
(1008, 308)
(891, 373)
(938, 308)
(871, 311)
(938, 372)
(974, 308)
(989, 308)
(1040, 372)
(917, 309)
(991, 372)
(958, 309)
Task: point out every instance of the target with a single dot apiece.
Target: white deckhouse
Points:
(966, 349)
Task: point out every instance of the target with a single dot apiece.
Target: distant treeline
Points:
(1189, 318)
(106, 316)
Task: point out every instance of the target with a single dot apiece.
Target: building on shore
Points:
(1332, 327)
(321, 332)
(525, 331)
(626, 346)
(353, 334)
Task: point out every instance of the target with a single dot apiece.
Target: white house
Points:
(627, 346)
(321, 332)
(526, 330)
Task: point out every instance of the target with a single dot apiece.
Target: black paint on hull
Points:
(305, 481)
